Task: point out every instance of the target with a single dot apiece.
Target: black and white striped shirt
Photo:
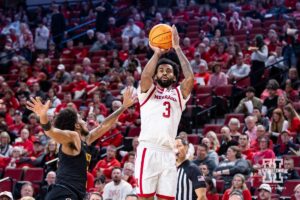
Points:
(189, 178)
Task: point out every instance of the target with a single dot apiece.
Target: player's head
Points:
(166, 72)
(68, 119)
(181, 148)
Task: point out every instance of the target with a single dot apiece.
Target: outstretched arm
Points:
(149, 70)
(106, 125)
(187, 84)
(60, 136)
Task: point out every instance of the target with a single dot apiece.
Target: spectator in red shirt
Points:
(34, 127)
(24, 142)
(112, 28)
(38, 149)
(247, 153)
(112, 137)
(238, 183)
(211, 191)
(260, 133)
(68, 53)
(203, 76)
(221, 55)
(98, 103)
(13, 160)
(235, 22)
(5, 114)
(10, 100)
(293, 119)
(128, 174)
(18, 125)
(106, 165)
(187, 48)
(78, 86)
(264, 153)
(131, 118)
(182, 14)
(291, 93)
(67, 99)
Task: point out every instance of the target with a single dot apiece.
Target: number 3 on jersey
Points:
(167, 112)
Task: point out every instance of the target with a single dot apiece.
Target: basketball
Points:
(161, 36)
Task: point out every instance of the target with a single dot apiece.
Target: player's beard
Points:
(164, 83)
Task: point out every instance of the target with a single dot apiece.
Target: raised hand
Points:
(175, 38)
(158, 50)
(36, 106)
(128, 98)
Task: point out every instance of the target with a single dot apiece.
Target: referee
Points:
(190, 182)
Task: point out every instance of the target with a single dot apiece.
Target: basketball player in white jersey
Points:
(161, 109)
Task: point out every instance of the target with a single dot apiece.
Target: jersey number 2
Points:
(167, 112)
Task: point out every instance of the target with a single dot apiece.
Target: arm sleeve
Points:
(247, 195)
(226, 195)
(245, 72)
(263, 53)
(241, 166)
(285, 125)
(196, 177)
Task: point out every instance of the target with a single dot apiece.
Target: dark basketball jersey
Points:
(72, 171)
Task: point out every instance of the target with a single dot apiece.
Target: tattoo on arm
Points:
(185, 64)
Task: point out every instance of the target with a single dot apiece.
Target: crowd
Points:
(225, 44)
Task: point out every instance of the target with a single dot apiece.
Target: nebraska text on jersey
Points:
(161, 111)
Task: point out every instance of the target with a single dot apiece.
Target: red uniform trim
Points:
(165, 197)
(146, 195)
(141, 172)
(179, 98)
(151, 93)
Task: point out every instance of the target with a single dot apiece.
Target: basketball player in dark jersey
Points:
(71, 132)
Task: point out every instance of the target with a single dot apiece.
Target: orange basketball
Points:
(161, 36)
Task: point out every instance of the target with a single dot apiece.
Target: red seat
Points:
(220, 186)
(133, 132)
(243, 83)
(194, 139)
(224, 90)
(288, 188)
(201, 89)
(211, 127)
(204, 100)
(6, 185)
(67, 61)
(240, 117)
(35, 175)
(99, 53)
(15, 174)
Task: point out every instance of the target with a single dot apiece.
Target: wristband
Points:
(47, 126)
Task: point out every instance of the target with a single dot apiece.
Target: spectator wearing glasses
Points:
(264, 152)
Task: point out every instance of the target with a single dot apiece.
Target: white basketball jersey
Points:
(161, 111)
